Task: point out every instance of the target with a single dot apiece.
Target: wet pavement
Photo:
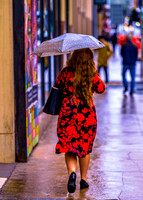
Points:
(116, 167)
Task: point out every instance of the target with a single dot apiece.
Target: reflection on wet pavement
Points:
(116, 167)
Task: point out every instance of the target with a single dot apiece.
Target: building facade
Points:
(26, 80)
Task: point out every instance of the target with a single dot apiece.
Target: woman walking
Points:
(77, 123)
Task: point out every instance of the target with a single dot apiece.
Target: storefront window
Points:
(48, 27)
(31, 83)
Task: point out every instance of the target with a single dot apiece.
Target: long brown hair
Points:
(83, 66)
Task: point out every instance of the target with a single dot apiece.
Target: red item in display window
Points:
(136, 40)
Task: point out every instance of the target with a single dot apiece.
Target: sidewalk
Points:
(116, 167)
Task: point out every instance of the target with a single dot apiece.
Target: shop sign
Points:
(125, 2)
(98, 2)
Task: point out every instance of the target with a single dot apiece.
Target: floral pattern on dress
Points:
(77, 125)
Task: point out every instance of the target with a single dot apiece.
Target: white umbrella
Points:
(67, 43)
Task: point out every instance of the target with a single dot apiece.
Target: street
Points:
(116, 167)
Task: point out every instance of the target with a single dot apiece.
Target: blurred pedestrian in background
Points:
(103, 56)
(114, 40)
(129, 53)
(77, 123)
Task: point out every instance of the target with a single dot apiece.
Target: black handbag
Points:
(54, 102)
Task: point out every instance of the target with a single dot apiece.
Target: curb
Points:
(5, 173)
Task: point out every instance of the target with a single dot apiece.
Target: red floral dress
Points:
(77, 126)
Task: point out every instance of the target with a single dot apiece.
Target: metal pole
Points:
(95, 23)
(54, 35)
(49, 37)
(59, 28)
(67, 16)
(42, 59)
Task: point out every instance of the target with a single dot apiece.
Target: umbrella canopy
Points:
(67, 43)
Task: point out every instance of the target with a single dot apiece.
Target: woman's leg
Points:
(71, 162)
(125, 83)
(84, 163)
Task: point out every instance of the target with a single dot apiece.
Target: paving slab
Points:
(5, 172)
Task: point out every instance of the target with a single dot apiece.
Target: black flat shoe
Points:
(83, 184)
(71, 183)
(125, 90)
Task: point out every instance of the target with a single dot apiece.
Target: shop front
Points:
(26, 80)
(33, 76)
